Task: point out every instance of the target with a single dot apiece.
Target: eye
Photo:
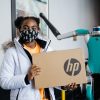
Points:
(35, 28)
(25, 27)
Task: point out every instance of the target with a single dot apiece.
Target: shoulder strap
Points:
(28, 54)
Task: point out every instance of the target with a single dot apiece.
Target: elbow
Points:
(3, 84)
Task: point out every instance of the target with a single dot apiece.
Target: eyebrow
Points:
(28, 26)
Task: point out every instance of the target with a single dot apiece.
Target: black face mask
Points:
(28, 35)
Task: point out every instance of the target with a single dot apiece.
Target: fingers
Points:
(71, 86)
(33, 71)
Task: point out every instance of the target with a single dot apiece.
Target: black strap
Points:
(29, 55)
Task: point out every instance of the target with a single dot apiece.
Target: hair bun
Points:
(18, 22)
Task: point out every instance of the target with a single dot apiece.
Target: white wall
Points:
(5, 24)
(68, 15)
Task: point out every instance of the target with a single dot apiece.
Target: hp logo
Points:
(72, 67)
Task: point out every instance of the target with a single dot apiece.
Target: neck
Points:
(31, 44)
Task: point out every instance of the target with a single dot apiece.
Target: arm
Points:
(78, 32)
(8, 79)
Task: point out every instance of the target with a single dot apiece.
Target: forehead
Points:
(29, 22)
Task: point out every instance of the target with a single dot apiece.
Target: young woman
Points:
(18, 70)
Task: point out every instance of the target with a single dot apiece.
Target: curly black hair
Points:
(19, 21)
